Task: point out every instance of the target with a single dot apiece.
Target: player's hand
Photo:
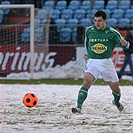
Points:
(86, 57)
(124, 42)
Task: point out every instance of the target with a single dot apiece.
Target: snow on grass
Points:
(53, 114)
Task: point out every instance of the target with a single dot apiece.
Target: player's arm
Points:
(125, 43)
(120, 40)
(85, 49)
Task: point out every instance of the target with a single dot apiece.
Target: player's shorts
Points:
(103, 67)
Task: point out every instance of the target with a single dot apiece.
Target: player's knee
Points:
(87, 84)
(115, 88)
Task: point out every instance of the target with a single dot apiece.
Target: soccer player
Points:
(100, 41)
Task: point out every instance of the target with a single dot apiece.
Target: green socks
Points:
(82, 95)
(116, 98)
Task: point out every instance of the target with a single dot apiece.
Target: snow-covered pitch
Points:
(53, 111)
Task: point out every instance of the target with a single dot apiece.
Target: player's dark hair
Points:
(100, 14)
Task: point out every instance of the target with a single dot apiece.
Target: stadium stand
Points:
(112, 22)
(55, 14)
(93, 11)
(49, 5)
(72, 23)
(123, 22)
(1, 15)
(83, 12)
(129, 13)
(108, 12)
(6, 10)
(38, 34)
(112, 5)
(61, 5)
(118, 13)
(60, 23)
(67, 14)
(80, 13)
(65, 35)
(41, 14)
(85, 21)
(88, 15)
(124, 5)
(98, 5)
(132, 23)
(86, 6)
(25, 36)
(74, 5)
(37, 23)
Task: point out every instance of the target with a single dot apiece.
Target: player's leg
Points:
(117, 94)
(110, 76)
(90, 75)
(115, 91)
(82, 95)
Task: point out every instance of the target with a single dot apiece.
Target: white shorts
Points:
(103, 67)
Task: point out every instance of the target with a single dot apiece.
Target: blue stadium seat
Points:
(85, 5)
(73, 22)
(55, 14)
(73, 25)
(60, 23)
(112, 22)
(61, 5)
(25, 35)
(88, 15)
(128, 13)
(124, 0)
(74, 5)
(38, 34)
(49, 5)
(117, 13)
(108, 12)
(93, 11)
(67, 14)
(112, 5)
(99, 5)
(65, 35)
(85, 21)
(124, 5)
(37, 23)
(1, 15)
(42, 15)
(6, 10)
(132, 23)
(79, 14)
(124, 23)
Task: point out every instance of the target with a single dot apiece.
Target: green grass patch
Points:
(60, 81)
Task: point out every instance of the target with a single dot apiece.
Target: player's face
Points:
(100, 23)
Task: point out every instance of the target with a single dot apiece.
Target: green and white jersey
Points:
(99, 44)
